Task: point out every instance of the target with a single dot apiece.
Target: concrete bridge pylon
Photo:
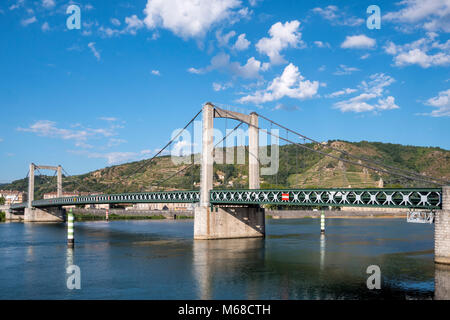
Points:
(226, 222)
(32, 214)
(442, 229)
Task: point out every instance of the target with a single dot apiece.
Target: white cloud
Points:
(442, 103)
(365, 101)
(282, 36)
(113, 142)
(220, 86)
(223, 40)
(112, 157)
(321, 44)
(115, 22)
(425, 52)
(45, 27)
(241, 43)
(290, 84)
(222, 63)
(365, 56)
(190, 18)
(344, 70)
(337, 17)
(195, 71)
(26, 22)
(106, 32)
(432, 15)
(341, 92)
(46, 128)
(358, 42)
(48, 3)
(91, 45)
(133, 24)
(156, 72)
(281, 106)
(111, 119)
(1, 140)
(17, 5)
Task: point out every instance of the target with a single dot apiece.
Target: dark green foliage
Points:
(295, 162)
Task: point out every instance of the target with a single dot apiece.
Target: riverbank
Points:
(333, 214)
(120, 214)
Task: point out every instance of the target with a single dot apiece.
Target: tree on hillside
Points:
(2, 201)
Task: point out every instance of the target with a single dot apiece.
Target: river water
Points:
(160, 260)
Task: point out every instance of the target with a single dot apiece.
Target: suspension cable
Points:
(89, 190)
(145, 163)
(335, 157)
(357, 157)
(193, 162)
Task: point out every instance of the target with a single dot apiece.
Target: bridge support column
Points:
(442, 230)
(253, 148)
(59, 182)
(31, 185)
(40, 215)
(225, 222)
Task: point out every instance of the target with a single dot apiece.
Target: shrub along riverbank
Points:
(91, 217)
(2, 216)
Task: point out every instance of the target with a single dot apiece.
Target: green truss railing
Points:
(425, 198)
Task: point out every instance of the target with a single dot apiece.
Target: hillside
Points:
(299, 168)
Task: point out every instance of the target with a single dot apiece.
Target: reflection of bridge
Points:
(238, 213)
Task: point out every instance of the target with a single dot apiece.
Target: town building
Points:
(12, 196)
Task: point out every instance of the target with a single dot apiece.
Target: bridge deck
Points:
(422, 198)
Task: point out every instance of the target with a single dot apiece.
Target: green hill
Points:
(298, 168)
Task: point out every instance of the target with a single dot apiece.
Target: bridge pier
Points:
(229, 223)
(54, 214)
(442, 230)
(226, 222)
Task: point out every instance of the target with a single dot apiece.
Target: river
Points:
(160, 260)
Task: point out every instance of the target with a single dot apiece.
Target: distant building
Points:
(13, 196)
(162, 206)
(52, 195)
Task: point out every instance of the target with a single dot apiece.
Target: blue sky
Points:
(114, 90)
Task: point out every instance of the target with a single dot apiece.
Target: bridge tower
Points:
(32, 214)
(224, 222)
(442, 229)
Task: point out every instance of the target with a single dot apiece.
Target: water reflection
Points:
(322, 252)
(235, 258)
(441, 282)
(159, 260)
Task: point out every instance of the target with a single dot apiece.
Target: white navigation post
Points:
(322, 222)
(70, 235)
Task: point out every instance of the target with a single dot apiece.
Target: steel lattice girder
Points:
(389, 198)
(425, 198)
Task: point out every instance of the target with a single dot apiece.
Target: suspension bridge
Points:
(230, 213)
